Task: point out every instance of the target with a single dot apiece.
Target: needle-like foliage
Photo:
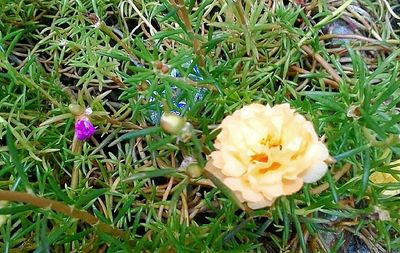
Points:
(126, 189)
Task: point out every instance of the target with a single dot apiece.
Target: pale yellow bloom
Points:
(386, 178)
(263, 153)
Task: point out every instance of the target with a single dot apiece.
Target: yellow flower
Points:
(263, 153)
(386, 178)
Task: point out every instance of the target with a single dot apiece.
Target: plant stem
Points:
(76, 148)
(336, 177)
(107, 30)
(324, 63)
(184, 16)
(62, 208)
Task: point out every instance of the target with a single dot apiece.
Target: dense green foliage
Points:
(131, 60)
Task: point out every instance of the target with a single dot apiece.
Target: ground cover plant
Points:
(137, 186)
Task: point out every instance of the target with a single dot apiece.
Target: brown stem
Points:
(354, 37)
(336, 177)
(62, 208)
(330, 82)
(184, 16)
(324, 63)
(107, 30)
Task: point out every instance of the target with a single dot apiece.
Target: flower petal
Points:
(265, 152)
(316, 172)
(260, 204)
(84, 129)
(248, 194)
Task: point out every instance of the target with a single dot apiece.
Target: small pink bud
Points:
(84, 129)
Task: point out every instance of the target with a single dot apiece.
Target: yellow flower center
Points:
(274, 166)
(263, 158)
(270, 143)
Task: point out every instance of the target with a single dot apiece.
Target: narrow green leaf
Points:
(136, 133)
(16, 209)
(372, 124)
(166, 34)
(123, 210)
(299, 231)
(177, 190)
(366, 172)
(73, 237)
(351, 152)
(88, 198)
(332, 186)
(16, 159)
(151, 174)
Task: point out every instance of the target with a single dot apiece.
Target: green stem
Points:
(76, 148)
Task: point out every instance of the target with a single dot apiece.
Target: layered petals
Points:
(265, 152)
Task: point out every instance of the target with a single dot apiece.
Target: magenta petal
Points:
(84, 129)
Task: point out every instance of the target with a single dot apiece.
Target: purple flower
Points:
(84, 129)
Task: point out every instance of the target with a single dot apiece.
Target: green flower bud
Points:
(75, 109)
(194, 170)
(172, 123)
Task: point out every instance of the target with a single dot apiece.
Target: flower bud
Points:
(158, 64)
(164, 69)
(194, 170)
(354, 112)
(172, 123)
(186, 133)
(84, 129)
(75, 109)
